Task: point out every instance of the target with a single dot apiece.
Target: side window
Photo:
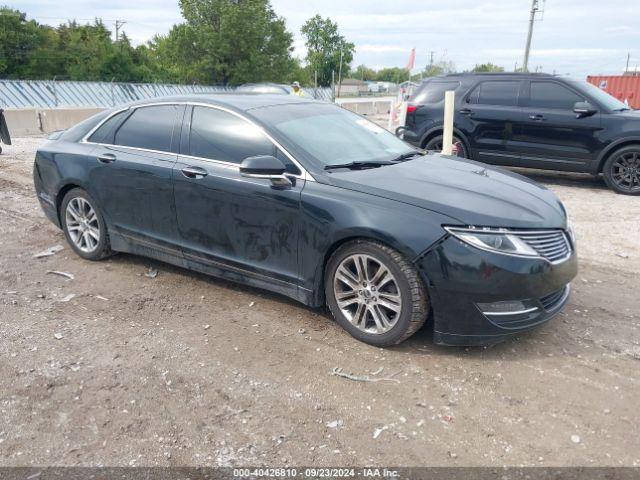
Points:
(497, 93)
(433, 92)
(219, 135)
(552, 95)
(148, 127)
(104, 134)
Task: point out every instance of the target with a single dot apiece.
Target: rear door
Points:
(487, 115)
(551, 135)
(132, 175)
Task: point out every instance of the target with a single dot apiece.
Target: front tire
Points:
(374, 293)
(83, 225)
(621, 171)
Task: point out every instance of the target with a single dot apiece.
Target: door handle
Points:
(107, 158)
(537, 118)
(194, 172)
(466, 111)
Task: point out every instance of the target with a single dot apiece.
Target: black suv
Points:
(531, 120)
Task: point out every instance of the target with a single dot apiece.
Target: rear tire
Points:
(374, 293)
(435, 144)
(621, 171)
(83, 225)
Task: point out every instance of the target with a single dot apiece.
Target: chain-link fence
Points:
(53, 94)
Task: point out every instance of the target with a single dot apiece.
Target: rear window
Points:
(433, 92)
(150, 128)
(104, 134)
(496, 92)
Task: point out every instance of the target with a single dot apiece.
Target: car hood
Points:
(471, 192)
(629, 114)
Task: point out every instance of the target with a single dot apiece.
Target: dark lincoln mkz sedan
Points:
(311, 201)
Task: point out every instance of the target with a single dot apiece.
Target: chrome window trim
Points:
(304, 175)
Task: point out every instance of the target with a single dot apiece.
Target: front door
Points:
(487, 116)
(238, 227)
(132, 175)
(551, 135)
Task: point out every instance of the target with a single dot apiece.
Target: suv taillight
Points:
(411, 108)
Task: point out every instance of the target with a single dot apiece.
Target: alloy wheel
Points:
(82, 224)
(367, 293)
(625, 171)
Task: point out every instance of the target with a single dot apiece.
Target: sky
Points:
(574, 37)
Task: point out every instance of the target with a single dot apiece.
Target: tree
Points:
(232, 42)
(325, 47)
(487, 67)
(362, 72)
(19, 38)
(392, 74)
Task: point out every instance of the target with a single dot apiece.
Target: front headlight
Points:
(494, 240)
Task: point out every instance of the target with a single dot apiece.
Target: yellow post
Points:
(447, 134)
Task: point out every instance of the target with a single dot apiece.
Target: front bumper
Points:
(460, 277)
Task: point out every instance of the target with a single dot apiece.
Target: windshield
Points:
(602, 97)
(332, 135)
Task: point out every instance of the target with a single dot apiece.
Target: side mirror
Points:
(265, 166)
(583, 109)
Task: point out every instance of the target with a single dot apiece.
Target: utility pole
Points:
(340, 74)
(119, 23)
(430, 70)
(527, 48)
(626, 69)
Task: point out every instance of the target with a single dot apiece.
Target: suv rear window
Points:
(433, 92)
(497, 92)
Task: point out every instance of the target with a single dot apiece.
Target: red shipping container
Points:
(625, 88)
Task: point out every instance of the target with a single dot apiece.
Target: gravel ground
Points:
(117, 368)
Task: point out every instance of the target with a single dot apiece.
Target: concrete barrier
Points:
(22, 122)
(36, 121)
(63, 118)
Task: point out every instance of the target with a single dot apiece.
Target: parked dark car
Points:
(309, 200)
(4, 131)
(532, 120)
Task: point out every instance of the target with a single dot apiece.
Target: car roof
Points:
(235, 101)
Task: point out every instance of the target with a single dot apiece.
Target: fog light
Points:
(510, 307)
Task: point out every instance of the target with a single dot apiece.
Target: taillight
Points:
(411, 108)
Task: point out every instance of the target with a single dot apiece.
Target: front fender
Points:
(614, 145)
(333, 215)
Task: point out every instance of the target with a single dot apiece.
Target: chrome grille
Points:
(550, 244)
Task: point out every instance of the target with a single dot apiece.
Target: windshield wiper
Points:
(359, 164)
(407, 156)
(623, 109)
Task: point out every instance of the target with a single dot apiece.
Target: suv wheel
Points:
(374, 293)
(621, 171)
(436, 144)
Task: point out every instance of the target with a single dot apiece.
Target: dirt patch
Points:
(116, 368)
